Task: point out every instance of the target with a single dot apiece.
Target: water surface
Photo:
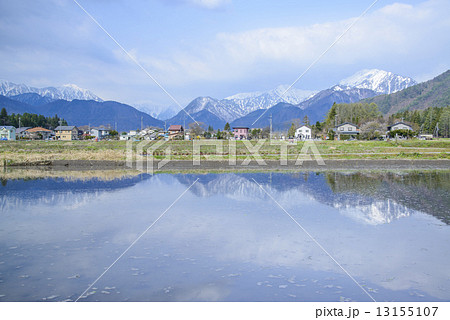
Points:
(226, 239)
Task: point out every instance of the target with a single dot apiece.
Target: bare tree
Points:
(372, 129)
(196, 128)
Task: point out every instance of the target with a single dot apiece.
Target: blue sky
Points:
(216, 47)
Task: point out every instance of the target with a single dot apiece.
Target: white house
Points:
(400, 126)
(124, 136)
(7, 133)
(100, 133)
(347, 128)
(303, 133)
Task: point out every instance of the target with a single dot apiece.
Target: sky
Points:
(216, 48)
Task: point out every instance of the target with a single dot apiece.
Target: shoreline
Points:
(217, 165)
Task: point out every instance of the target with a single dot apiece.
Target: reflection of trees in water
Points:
(381, 196)
(422, 191)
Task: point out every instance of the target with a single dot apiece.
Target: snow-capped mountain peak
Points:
(72, 91)
(378, 80)
(279, 94)
(66, 92)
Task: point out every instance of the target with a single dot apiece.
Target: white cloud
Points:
(45, 44)
(397, 34)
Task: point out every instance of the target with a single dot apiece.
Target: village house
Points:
(38, 133)
(7, 133)
(240, 133)
(400, 126)
(132, 135)
(66, 133)
(99, 133)
(346, 128)
(303, 133)
(124, 136)
(21, 132)
(176, 132)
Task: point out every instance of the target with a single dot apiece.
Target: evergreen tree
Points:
(444, 122)
(318, 126)
(331, 115)
(291, 132)
(4, 116)
(306, 120)
(227, 127)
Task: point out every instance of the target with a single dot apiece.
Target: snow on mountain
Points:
(241, 104)
(224, 109)
(363, 84)
(70, 92)
(380, 81)
(157, 111)
(249, 102)
(67, 92)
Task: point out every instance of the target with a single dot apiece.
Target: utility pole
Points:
(19, 123)
(270, 119)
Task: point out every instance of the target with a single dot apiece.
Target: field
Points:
(27, 152)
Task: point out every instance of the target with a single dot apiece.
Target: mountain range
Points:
(81, 107)
(81, 112)
(245, 109)
(315, 108)
(66, 92)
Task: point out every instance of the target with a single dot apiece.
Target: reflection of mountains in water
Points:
(369, 197)
(427, 192)
(46, 191)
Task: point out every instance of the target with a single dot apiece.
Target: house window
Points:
(341, 128)
(350, 129)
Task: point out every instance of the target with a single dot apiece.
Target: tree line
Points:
(30, 120)
(432, 120)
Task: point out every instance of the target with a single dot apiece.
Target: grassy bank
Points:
(67, 175)
(15, 152)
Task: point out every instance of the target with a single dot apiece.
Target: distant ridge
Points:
(85, 112)
(67, 92)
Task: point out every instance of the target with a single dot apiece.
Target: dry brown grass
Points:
(68, 175)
